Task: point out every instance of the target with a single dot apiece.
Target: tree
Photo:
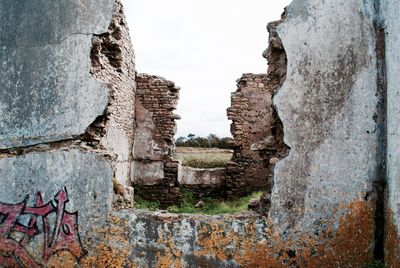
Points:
(180, 141)
(210, 141)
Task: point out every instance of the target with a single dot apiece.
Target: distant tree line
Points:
(211, 141)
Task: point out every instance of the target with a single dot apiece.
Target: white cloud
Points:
(203, 46)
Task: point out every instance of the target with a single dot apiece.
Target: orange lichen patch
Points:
(214, 241)
(352, 244)
(253, 244)
(114, 250)
(172, 256)
(354, 240)
(392, 242)
(62, 259)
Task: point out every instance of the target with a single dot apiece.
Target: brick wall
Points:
(154, 147)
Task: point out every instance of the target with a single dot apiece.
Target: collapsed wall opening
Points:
(256, 127)
(257, 138)
(326, 202)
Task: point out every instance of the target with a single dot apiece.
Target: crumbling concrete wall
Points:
(112, 60)
(391, 25)
(327, 105)
(155, 166)
(67, 108)
(29, 81)
(170, 240)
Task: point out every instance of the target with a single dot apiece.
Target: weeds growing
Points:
(140, 203)
(211, 206)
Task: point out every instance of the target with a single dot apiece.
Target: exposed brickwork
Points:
(250, 112)
(256, 128)
(160, 97)
(156, 99)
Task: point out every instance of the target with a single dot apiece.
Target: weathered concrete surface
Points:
(88, 182)
(50, 93)
(390, 11)
(147, 173)
(145, 147)
(203, 182)
(197, 176)
(47, 94)
(39, 22)
(141, 239)
(327, 106)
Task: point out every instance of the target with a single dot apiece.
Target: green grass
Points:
(212, 206)
(140, 203)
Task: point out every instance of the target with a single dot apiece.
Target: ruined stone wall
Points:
(112, 59)
(247, 240)
(67, 108)
(255, 132)
(155, 167)
(61, 83)
(327, 105)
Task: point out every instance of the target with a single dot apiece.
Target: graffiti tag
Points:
(60, 234)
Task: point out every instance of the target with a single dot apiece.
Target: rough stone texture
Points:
(327, 105)
(47, 94)
(255, 131)
(156, 98)
(390, 11)
(51, 96)
(113, 64)
(141, 239)
(203, 182)
(154, 145)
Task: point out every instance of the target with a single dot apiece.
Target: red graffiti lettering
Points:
(62, 236)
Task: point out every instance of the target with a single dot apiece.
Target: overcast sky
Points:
(204, 46)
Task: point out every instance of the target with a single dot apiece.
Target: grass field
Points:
(203, 157)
